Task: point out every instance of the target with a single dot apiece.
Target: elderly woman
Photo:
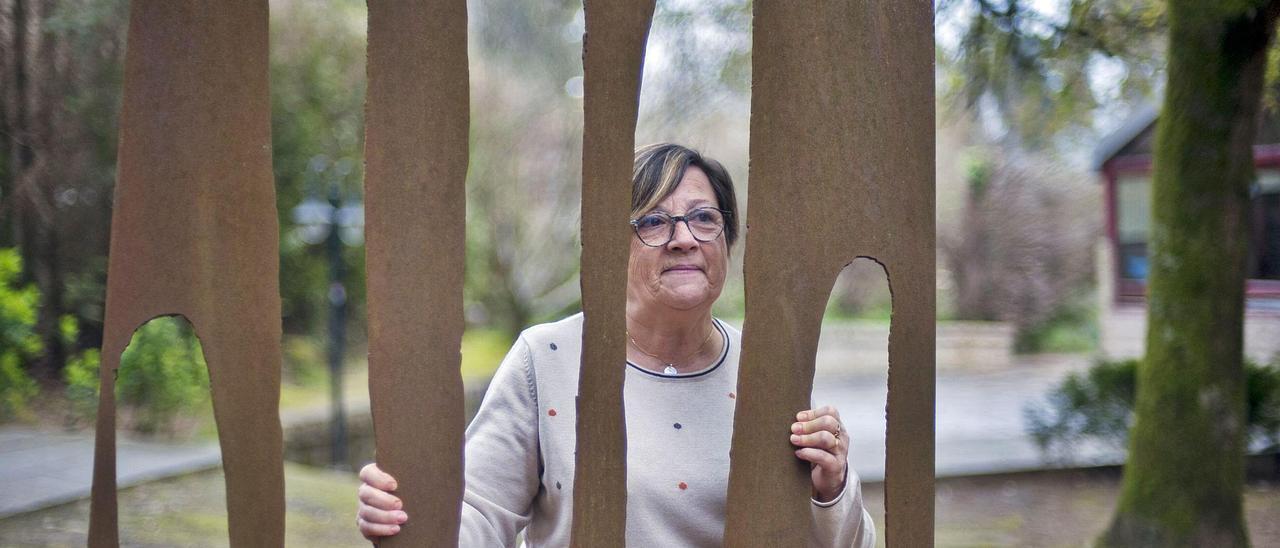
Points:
(682, 370)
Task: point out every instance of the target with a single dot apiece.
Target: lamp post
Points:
(334, 222)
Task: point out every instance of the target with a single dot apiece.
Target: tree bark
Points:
(1184, 479)
(8, 23)
(19, 158)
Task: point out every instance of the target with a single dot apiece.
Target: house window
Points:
(1133, 220)
(1264, 227)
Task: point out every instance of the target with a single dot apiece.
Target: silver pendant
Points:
(670, 370)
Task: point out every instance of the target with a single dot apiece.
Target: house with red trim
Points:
(1124, 161)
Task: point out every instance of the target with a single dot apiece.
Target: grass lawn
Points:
(1061, 509)
(191, 511)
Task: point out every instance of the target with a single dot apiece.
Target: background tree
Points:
(1183, 484)
(60, 70)
(1021, 92)
(60, 74)
(1042, 72)
(1185, 475)
(1021, 249)
(524, 176)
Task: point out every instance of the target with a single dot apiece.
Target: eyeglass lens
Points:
(656, 229)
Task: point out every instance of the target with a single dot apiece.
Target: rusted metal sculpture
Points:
(842, 142)
(194, 233)
(416, 127)
(613, 61)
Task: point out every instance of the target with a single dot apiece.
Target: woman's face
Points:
(684, 274)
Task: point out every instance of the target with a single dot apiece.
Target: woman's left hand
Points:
(823, 442)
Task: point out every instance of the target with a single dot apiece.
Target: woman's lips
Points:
(683, 268)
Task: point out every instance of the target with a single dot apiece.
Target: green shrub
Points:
(81, 378)
(16, 388)
(1072, 327)
(162, 376)
(19, 343)
(79, 375)
(1262, 391)
(1097, 407)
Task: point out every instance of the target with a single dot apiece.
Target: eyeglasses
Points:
(657, 229)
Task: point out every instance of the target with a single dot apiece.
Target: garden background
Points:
(1027, 93)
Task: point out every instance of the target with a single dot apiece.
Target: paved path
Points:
(41, 468)
(979, 425)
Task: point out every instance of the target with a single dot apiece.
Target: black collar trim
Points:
(724, 353)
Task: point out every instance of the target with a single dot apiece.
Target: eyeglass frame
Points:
(675, 219)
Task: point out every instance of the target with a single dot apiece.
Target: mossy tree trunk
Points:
(1185, 475)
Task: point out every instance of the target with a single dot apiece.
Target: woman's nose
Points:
(683, 237)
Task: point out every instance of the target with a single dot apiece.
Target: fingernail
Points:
(394, 486)
(395, 528)
(398, 504)
(795, 438)
(402, 517)
(797, 427)
(800, 415)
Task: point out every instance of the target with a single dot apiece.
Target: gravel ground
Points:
(1032, 509)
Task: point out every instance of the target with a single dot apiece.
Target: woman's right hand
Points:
(379, 513)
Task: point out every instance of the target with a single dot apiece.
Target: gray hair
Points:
(660, 167)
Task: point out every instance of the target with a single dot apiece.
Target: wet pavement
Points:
(980, 427)
(41, 468)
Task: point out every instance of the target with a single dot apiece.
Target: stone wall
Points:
(1124, 333)
(862, 347)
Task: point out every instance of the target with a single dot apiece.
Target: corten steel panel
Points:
(194, 233)
(613, 59)
(417, 116)
(842, 144)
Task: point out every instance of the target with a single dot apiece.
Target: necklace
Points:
(670, 368)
